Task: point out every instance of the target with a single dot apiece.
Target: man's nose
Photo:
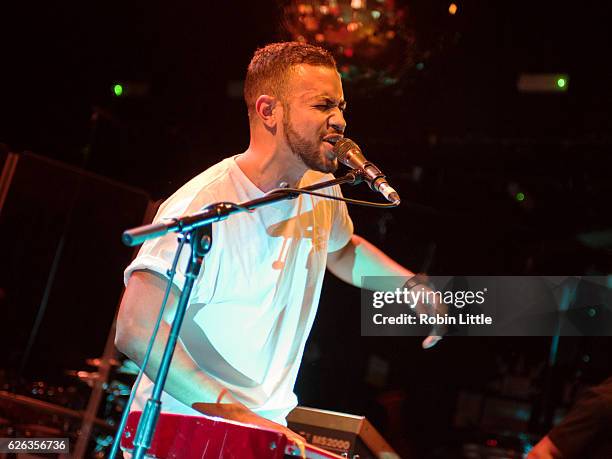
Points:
(337, 121)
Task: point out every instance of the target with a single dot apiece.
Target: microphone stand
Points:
(197, 229)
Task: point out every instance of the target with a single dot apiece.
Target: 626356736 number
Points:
(34, 445)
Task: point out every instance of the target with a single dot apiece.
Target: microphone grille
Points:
(342, 147)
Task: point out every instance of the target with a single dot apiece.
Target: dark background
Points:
(456, 138)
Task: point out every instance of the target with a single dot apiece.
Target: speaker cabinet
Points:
(61, 262)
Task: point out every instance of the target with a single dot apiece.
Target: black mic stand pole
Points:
(200, 240)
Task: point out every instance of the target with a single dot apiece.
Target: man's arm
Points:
(361, 258)
(186, 382)
(137, 315)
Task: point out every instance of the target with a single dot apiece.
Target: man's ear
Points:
(266, 108)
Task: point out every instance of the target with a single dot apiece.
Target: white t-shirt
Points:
(255, 299)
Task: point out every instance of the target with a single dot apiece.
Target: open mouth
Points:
(332, 139)
(329, 151)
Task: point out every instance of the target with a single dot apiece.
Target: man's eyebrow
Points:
(341, 103)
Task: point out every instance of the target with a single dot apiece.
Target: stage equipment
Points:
(340, 433)
(28, 417)
(15, 406)
(197, 437)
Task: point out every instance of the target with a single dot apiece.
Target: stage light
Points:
(126, 89)
(520, 197)
(117, 90)
(543, 82)
(373, 40)
(352, 26)
(452, 8)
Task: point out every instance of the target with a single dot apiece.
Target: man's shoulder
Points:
(199, 191)
(211, 176)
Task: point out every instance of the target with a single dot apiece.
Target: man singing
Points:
(255, 299)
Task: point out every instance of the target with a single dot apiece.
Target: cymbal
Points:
(8, 399)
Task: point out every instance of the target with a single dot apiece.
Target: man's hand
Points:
(238, 412)
(186, 381)
(431, 341)
(429, 304)
(360, 258)
(267, 424)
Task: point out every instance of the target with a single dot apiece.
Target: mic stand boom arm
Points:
(220, 211)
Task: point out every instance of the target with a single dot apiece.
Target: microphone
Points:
(350, 155)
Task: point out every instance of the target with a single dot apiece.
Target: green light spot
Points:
(420, 66)
(376, 14)
(561, 82)
(592, 312)
(586, 358)
(520, 196)
(118, 90)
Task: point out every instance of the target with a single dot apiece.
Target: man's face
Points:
(313, 115)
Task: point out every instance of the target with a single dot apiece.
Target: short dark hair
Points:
(268, 71)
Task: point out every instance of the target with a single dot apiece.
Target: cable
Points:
(231, 204)
(335, 198)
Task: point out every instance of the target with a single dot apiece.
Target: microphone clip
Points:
(356, 176)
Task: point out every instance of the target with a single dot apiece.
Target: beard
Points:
(308, 151)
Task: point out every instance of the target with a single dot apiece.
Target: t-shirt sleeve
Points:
(158, 254)
(342, 225)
